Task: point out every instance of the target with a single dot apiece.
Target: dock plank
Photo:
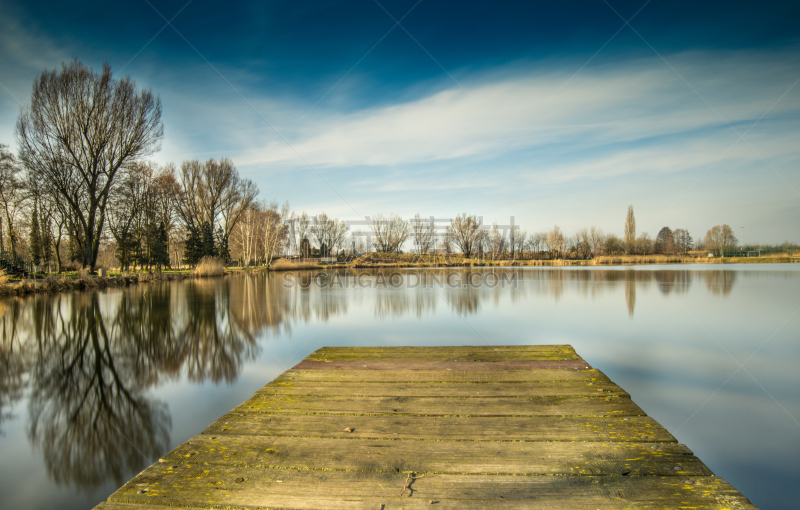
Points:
(444, 376)
(238, 487)
(463, 365)
(443, 406)
(446, 428)
(475, 427)
(460, 457)
(431, 389)
(483, 353)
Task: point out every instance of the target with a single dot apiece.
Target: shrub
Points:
(209, 266)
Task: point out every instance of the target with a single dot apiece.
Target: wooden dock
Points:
(530, 427)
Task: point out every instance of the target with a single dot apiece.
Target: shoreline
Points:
(53, 284)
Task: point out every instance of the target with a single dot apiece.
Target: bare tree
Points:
(683, 240)
(298, 230)
(275, 230)
(338, 235)
(213, 192)
(630, 229)
(246, 234)
(555, 240)
(720, 238)
(125, 212)
(166, 191)
(79, 130)
(466, 233)
(512, 240)
(643, 245)
(613, 245)
(535, 242)
(447, 241)
(520, 239)
(423, 231)
(596, 239)
(665, 242)
(583, 244)
(389, 233)
(329, 233)
(12, 197)
(497, 242)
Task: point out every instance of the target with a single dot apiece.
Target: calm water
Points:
(95, 386)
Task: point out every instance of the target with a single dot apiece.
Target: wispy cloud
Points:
(628, 103)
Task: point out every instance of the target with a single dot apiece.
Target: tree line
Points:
(81, 192)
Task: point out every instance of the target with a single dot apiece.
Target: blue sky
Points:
(554, 113)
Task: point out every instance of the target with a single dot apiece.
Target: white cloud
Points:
(622, 104)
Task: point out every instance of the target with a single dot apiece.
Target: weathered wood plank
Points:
(461, 428)
(442, 406)
(479, 428)
(139, 506)
(537, 389)
(575, 364)
(453, 457)
(184, 484)
(455, 353)
(445, 376)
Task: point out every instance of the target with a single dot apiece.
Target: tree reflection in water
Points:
(13, 362)
(88, 361)
(88, 411)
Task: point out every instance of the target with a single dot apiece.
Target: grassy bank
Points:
(385, 260)
(209, 268)
(82, 280)
(65, 283)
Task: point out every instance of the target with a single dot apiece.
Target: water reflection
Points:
(87, 409)
(720, 282)
(13, 364)
(87, 363)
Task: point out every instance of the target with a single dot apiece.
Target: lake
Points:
(95, 386)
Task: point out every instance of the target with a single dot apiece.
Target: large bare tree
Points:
(329, 233)
(720, 238)
(389, 233)
(79, 130)
(213, 192)
(466, 233)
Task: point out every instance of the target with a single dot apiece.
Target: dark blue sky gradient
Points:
(553, 112)
(303, 49)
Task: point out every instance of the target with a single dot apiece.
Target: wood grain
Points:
(467, 428)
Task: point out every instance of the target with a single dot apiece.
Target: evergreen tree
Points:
(46, 239)
(164, 241)
(222, 246)
(157, 254)
(193, 250)
(207, 241)
(126, 244)
(36, 237)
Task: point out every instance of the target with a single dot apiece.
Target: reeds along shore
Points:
(81, 282)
